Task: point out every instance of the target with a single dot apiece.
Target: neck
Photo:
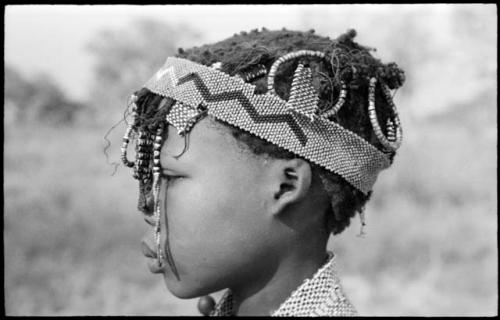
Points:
(263, 297)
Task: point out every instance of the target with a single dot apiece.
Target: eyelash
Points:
(170, 178)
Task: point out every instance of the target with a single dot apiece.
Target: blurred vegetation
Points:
(126, 58)
(71, 235)
(36, 100)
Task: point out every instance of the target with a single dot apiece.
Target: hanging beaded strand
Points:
(389, 145)
(362, 219)
(156, 190)
(125, 142)
(143, 151)
(343, 94)
(143, 169)
(202, 112)
(128, 132)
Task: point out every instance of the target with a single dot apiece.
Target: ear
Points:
(290, 182)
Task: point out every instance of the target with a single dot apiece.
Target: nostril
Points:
(149, 221)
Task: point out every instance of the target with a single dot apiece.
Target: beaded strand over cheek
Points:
(156, 190)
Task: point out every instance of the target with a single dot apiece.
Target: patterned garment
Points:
(322, 295)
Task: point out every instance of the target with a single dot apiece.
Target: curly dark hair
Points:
(350, 63)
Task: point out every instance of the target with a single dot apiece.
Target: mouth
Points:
(152, 261)
(147, 251)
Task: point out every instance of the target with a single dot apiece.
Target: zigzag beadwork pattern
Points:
(245, 103)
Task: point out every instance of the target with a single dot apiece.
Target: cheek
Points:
(202, 213)
(216, 225)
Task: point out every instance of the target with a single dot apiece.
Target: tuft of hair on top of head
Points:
(247, 54)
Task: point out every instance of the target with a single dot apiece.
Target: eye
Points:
(170, 178)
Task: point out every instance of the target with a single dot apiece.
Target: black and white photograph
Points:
(250, 160)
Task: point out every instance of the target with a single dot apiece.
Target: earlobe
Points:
(292, 183)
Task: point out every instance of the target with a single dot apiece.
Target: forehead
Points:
(208, 144)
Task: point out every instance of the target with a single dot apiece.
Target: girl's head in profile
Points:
(251, 151)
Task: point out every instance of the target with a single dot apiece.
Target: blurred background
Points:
(71, 231)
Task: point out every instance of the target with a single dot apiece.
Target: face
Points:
(216, 205)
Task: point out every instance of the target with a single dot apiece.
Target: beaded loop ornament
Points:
(287, 57)
(393, 140)
(331, 112)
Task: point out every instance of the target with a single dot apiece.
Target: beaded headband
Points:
(295, 125)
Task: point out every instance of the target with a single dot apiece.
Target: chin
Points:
(185, 289)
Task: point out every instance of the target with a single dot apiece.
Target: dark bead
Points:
(205, 305)
(144, 155)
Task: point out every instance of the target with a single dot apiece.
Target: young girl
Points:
(250, 152)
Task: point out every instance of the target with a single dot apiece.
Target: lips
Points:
(153, 261)
(147, 251)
